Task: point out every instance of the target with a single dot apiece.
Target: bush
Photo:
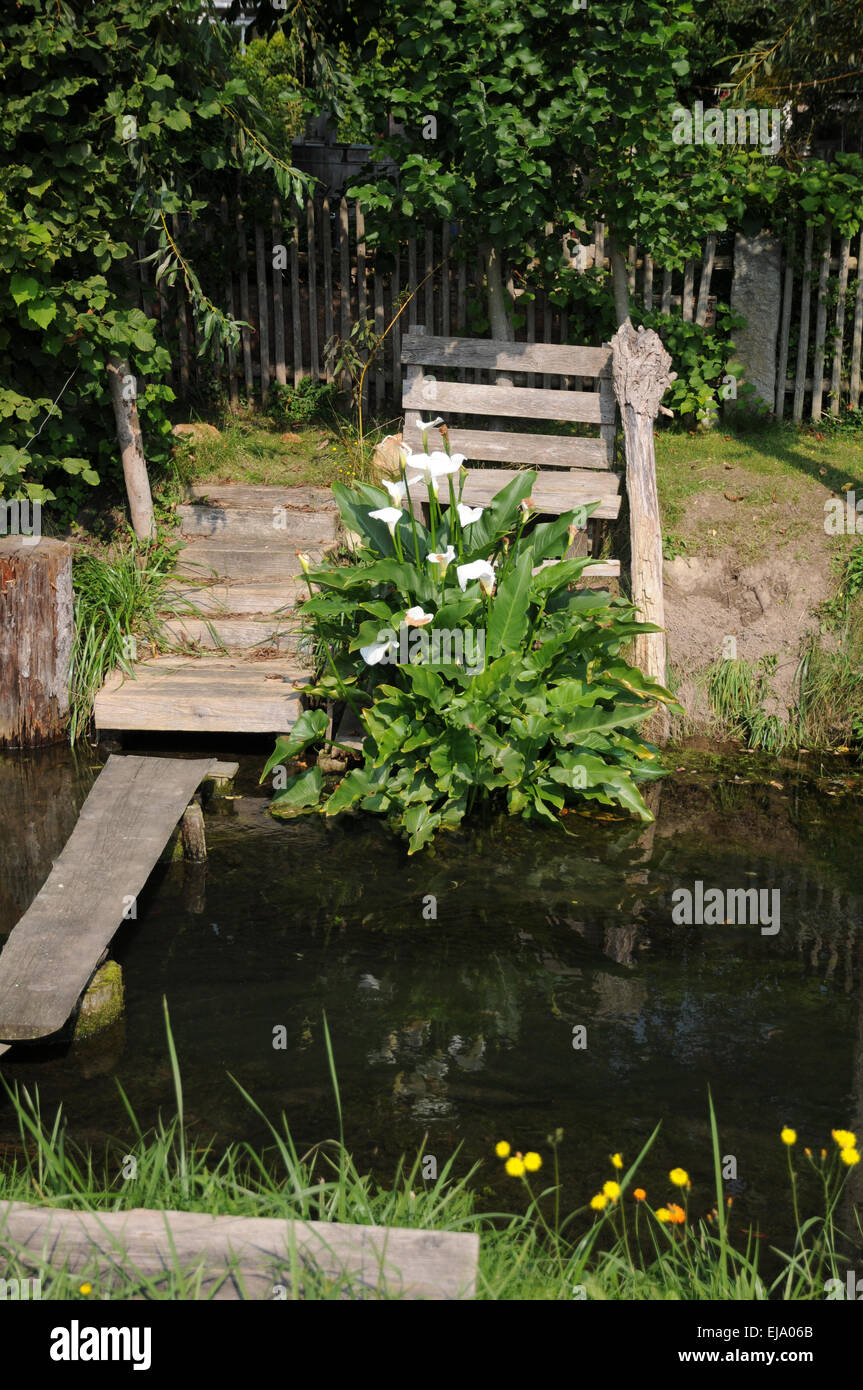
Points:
(296, 405)
(479, 675)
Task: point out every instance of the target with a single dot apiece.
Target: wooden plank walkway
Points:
(125, 823)
(207, 694)
(245, 1257)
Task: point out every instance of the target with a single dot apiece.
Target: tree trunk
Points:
(641, 378)
(620, 282)
(499, 320)
(36, 630)
(122, 386)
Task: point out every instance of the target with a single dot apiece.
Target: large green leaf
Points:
(301, 793)
(509, 610)
(310, 726)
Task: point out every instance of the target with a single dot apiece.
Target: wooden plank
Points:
(495, 354)
(245, 312)
(552, 492)
(296, 321)
(278, 300)
(125, 823)
(243, 559)
(327, 239)
(785, 328)
(231, 356)
(232, 600)
(378, 367)
(182, 320)
(688, 285)
(541, 450)
(344, 284)
(546, 336)
(446, 286)
(821, 324)
(839, 330)
(599, 247)
(251, 523)
(263, 312)
(608, 410)
(706, 276)
(240, 1258)
(312, 282)
(362, 297)
(665, 303)
(429, 281)
(857, 332)
(631, 259)
(519, 402)
(411, 382)
(242, 495)
(412, 282)
(396, 333)
(237, 633)
(219, 694)
(803, 327)
(648, 281)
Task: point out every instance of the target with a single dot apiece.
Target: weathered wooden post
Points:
(123, 397)
(36, 630)
(641, 378)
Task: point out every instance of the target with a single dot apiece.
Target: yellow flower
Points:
(679, 1177)
(849, 1156)
(85, 1288)
(663, 1214)
(515, 1167)
(612, 1190)
(502, 1149)
(617, 1160)
(844, 1138)
(598, 1202)
(788, 1136)
(532, 1162)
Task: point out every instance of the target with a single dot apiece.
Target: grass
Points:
(122, 603)
(616, 1246)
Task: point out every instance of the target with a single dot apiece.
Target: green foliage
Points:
(701, 357)
(121, 606)
(121, 114)
(535, 711)
(297, 405)
(738, 691)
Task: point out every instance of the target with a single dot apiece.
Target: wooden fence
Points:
(299, 281)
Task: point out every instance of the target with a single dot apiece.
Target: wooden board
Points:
(493, 446)
(125, 823)
(234, 633)
(490, 354)
(247, 1257)
(552, 492)
(277, 522)
(213, 694)
(225, 600)
(246, 560)
(299, 499)
(520, 402)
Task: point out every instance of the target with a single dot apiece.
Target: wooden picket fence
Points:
(300, 280)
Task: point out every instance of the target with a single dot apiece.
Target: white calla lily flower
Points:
(468, 515)
(391, 515)
(415, 617)
(477, 569)
(442, 558)
(397, 491)
(377, 652)
(435, 466)
(423, 425)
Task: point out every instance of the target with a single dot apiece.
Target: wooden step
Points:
(235, 633)
(244, 560)
(217, 694)
(298, 529)
(315, 499)
(227, 600)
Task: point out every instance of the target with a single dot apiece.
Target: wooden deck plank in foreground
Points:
(246, 1257)
(124, 825)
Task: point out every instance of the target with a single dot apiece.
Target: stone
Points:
(102, 1002)
(756, 294)
(386, 459)
(196, 431)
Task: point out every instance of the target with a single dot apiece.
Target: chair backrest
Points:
(424, 394)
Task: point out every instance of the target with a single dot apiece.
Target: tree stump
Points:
(641, 378)
(36, 631)
(192, 832)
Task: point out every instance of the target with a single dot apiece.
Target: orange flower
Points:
(639, 1194)
(676, 1213)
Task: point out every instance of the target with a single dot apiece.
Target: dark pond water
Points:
(461, 1027)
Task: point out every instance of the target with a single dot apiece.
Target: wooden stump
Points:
(641, 378)
(192, 832)
(36, 630)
